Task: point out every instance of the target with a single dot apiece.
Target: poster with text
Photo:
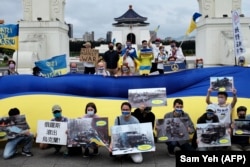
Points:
(90, 132)
(213, 135)
(12, 127)
(133, 138)
(147, 97)
(241, 127)
(222, 84)
(172, 129)
(52, 132)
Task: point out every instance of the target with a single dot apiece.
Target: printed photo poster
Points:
(88, 132)
(147, 97)
(213, 135)
(172, 129)
(241, 127)
(51, 132)
(133, 138)
(11, 127)
(222, 84)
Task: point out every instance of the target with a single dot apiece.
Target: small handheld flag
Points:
(9, 36)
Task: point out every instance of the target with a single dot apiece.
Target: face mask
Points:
(242, 116)
(209, 116)
(119, 47)
(73, 70)
(100, 69)
(111, 47)
(90, 113)
(128, 46)
(125, 69)
(199, 65)
(12, 66)
(178, 111)
(221, 100)
(125, 113)
(57, 115)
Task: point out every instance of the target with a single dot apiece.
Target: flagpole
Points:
(17, 48)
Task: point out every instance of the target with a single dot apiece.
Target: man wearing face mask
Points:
(184, 145)
(125, 119)
(223, 109)
(57, 113)
(144, 114)
(12, 68)
(240, 143)
(100, 69)
(208, 117)
(111, 57)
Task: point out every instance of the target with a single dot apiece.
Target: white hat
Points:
(211, 107)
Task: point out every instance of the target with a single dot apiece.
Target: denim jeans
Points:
(11, 146)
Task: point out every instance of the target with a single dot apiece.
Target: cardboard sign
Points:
(11, 127)
(222, 84)
(87, 132)
(89, 55)
(147, 97)
(213, 135)
(172, 129)
(51, 132)
(132, 138)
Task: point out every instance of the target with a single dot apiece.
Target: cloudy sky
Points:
(98, 16)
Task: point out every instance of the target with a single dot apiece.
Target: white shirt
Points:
(179, 55)
(156, 51)
(223, 113)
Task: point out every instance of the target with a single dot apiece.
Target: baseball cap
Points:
(87, 44)
(56, 108)
(210, 108)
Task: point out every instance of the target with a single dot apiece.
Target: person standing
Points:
(12, 68)
(176, 53)
(111, 57)
(89, 67)
(156, 51)
(161, 58)
(145, 55)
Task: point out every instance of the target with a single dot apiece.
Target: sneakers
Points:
(27, 154)
(95, 153)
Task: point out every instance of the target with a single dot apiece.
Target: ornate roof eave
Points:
(129, 25)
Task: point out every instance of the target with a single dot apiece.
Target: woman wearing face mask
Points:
(12, 68)
(90, 112)
(57, 113)
(125, 119)
(223, 109)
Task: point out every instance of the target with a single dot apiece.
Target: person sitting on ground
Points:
(57, 113)
(100, 69)
(12, 68)
(208, 117)
(25, 138)
(90, 112)
(144, 114)
(240, 143)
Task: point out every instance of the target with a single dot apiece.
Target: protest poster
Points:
(132, 138)
(221, 84)
(241, 127)
(172, 129)
(213, 134)
(11, 127)
(147, 97)
(87, 132)
(89, 55)
(51, 132)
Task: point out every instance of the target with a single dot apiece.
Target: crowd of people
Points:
(217, 112)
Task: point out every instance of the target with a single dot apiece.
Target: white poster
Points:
(238, 41)
(222, 84)
(241, 127)
(133, 138)
(213, 135)
(52, 132)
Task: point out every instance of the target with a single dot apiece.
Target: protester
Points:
(161, 59)
(125, 119)
(240, 143)
(58, 117)
(156, 51)
(144, 114)
(118, 46)
(199, 63)
(12, 68)
(208, 117)
(90, 112)
(178, 112)
(223, 109)
(25, 139)
(100, 69)
(37, 72)
(176, 52)
(124, 71)
(73, 67)
(89, 67)
(111, 57)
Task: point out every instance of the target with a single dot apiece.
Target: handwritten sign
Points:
(89, 55)
(52, 132)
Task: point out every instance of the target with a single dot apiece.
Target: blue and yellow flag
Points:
(192, 25)
(54, 66)
(9, 36)
(157, 28)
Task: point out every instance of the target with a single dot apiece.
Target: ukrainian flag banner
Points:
(54, 66)
(9, 36)
(192, 25)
